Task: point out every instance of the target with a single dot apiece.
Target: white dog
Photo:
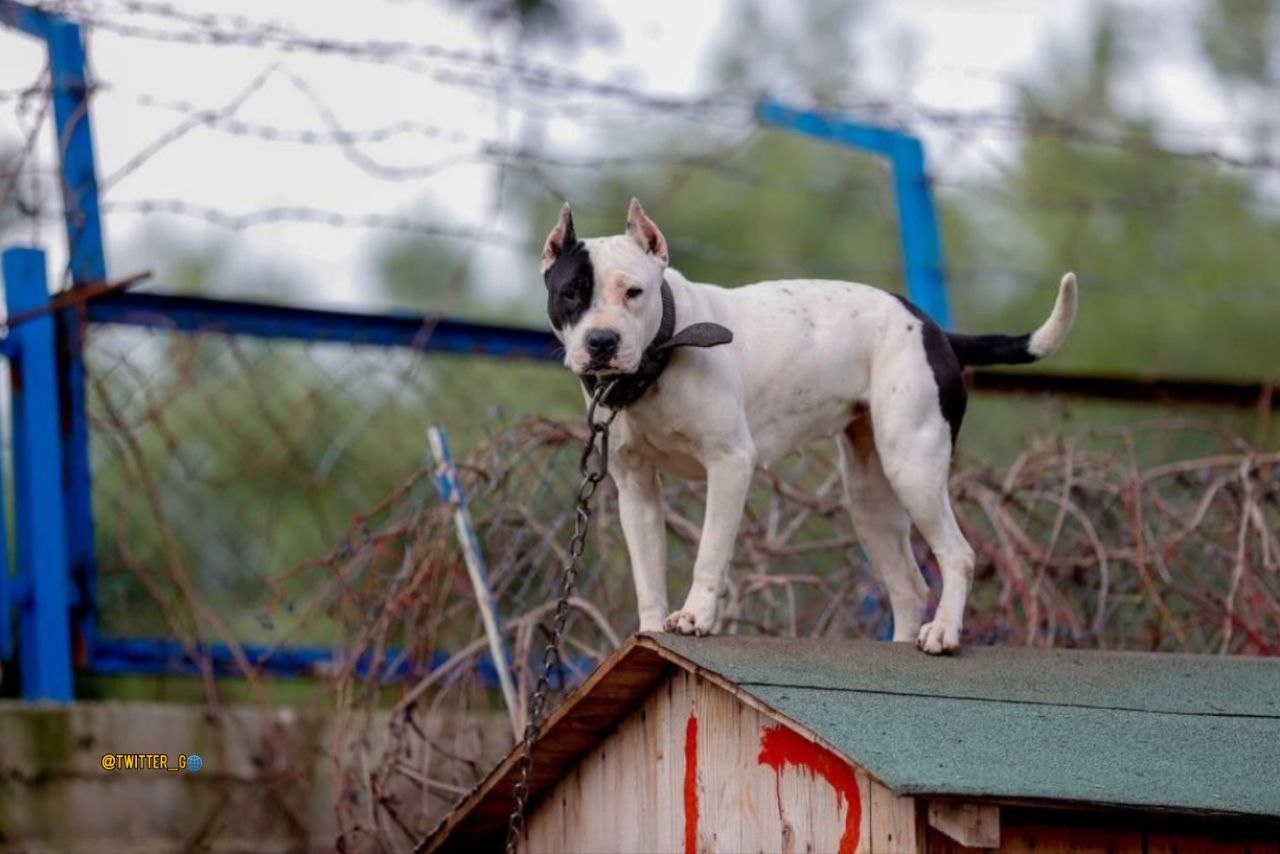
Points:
(777, 365)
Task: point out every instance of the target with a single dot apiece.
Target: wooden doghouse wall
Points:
(696, 769)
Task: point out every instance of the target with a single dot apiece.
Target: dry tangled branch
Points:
(1078, 544)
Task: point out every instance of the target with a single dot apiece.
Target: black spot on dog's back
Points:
(570, 285)
(952, 396)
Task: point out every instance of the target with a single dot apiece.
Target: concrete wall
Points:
(266, 783)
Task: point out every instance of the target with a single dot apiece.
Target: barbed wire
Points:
(304, 214)
(215, 31)
(222, 31)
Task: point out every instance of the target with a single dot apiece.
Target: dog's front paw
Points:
(652, 622)
(688, 623)
(939, 637)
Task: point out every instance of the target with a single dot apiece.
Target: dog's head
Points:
(604, 295)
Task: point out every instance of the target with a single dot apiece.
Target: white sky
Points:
(968, 54)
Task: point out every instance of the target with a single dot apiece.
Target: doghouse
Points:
(730, 744)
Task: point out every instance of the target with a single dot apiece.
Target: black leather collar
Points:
(628, 388)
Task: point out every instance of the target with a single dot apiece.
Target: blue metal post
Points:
(40, 529)
(917, 218)
(921, 243)
(88, 263)
(67, 71)
(6, 582)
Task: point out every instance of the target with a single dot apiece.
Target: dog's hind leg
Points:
(883, 527)
(914, 443)
(937, 522)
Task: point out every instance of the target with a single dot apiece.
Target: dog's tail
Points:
(1020, 349)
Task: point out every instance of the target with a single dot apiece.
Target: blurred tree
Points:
(770, 207)
(783, 48)
(1177, 255)
(432, 276)
(435, 276)
(1239, 39)
(566, 21)
(18, 203)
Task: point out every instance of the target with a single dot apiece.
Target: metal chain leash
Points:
(594, 467)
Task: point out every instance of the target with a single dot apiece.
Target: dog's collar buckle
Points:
(629, 388)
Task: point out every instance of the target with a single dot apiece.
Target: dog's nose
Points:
(602, 343)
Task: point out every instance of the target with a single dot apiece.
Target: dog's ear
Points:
(644, 231)
(561, 236)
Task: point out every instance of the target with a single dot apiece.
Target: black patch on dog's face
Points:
(570, 285)
(952, 396)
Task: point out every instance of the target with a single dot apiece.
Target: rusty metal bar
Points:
(1135, 389)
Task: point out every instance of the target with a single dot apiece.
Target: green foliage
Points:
(1239, 38)
(1177, 256)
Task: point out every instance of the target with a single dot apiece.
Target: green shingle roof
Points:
(1153, 731)
(1131, 729)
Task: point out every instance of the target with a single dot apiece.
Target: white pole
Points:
(447, 480)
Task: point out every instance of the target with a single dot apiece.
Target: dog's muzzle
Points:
(626, 389)
(601, 346)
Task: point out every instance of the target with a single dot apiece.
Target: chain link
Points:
(594, 467)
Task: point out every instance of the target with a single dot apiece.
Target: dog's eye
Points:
(633, 293)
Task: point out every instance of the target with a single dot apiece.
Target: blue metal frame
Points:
(162, 656)
(39, 522)
(159, 656)
(263, 320)
(86, 263)
(6, 581)
(917, 219)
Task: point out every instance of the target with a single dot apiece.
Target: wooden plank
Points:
(761, 811)
(893, 820)
(597, 829)
(971, 824)
(679, 709)
(667, 764)
(1206, 843)
(628, 784)
(724, 766)
(865, 827)
(1067, 839)
(656, 752)
(570, 792)
(545, 828)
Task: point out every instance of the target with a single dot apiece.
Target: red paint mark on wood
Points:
(780, 747)
(691, 785)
